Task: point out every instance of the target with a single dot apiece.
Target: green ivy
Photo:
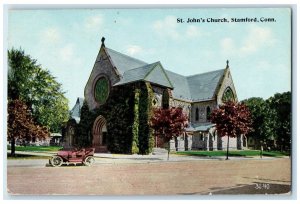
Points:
(145, 132)
(135, 126)
(127, 112)
(84, 137)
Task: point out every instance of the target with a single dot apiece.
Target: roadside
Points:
(41, 158)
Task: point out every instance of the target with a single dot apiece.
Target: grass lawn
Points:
(37, 148)
(240, 153)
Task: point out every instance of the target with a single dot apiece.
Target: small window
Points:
(208, 112)
(197, 114)
(154, 102)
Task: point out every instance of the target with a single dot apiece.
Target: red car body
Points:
(75, 156)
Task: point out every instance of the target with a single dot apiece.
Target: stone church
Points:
(120, 93)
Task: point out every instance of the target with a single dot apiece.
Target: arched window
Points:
(197, 114)
(228, 95)
(208, 112)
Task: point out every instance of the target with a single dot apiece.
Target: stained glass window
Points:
(101, 90)
(228, 95)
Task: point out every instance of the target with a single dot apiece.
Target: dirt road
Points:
(163, 178)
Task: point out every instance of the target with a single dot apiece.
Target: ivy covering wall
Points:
(127, 112)
(135, 126)
(146, 138)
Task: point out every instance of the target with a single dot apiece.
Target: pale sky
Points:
(67, 41)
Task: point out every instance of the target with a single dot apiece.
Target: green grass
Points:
(241, 153)
(37, 148)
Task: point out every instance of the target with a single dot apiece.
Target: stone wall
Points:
(182, 143)
(202, 106)
(186, 106)
(205, 141)
(102, 67)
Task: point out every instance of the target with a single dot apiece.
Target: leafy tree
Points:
(263, 120)
(232, 119)
(38, 89)
(281, 105)
(20, 124)
(271, 119)
(168, 123)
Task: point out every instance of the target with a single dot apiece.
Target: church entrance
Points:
(100, 134)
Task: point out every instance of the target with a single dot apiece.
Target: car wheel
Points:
(56, 161)
(89, 161)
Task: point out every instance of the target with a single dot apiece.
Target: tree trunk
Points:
(227, 148)
(176, 143)
(168, 150)
(13, 147)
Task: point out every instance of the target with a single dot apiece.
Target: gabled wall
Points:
(102, 67)
(226, 81)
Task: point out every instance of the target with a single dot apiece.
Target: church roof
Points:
(123, 62)
(181, 88)
(75, 112)
(153, 73)
(199, 87)
(203, 86)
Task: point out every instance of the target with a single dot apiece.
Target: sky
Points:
(67, 41)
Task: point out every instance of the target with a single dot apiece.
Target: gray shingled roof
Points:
(203, 86)
(75, 112)
(198, 87)
(123, 62)
(180, 84)
(153, 73)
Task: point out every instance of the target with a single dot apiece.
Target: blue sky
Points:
(66, 42)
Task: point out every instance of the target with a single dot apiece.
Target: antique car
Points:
(74, 156)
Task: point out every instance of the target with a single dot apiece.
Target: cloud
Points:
(67, 52)
(93, 22)
(133, 49)
(167, 27)
(227, 46)
(51, 35)
(258, 38)
(193, 31)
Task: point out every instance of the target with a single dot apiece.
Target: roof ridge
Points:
(205, 73)
(125, 55)
(141, 66)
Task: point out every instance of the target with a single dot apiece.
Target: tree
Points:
(271, 119)
(263, 118)
(281, 105)
(232, 119)
(168, 123)
(42, 94)
(20, 124)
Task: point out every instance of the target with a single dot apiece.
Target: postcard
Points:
(154, 102)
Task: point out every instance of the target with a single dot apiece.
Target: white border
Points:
(34, 4)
